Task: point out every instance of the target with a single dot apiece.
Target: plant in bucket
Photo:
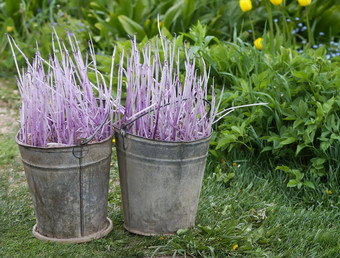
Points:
(162, 137)
(65, 142)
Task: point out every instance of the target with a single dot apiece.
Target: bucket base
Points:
(137, 232)
(75, 240)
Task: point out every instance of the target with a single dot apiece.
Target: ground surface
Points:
(8, 116)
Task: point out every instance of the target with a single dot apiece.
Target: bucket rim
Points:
(57, 147)
(140, 138)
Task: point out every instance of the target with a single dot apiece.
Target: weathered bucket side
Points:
(69, 194)
(160, 183)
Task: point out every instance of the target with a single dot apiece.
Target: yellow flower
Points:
(276, 2)
(258, 43)
(9, 29)
(245, 5)
(235, 247)
(304, 2)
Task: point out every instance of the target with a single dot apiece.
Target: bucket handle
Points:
(124, 127)
(84, 141)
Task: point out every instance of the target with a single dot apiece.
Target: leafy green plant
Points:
(112, 20)
(301, 120)
(224, 173)
(28, 21)
(198, 35)
(296, 177)
(119, 19)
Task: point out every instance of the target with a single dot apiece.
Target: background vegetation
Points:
(272, 182)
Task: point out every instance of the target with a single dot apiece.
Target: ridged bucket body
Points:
(69, 189)
(160, 183)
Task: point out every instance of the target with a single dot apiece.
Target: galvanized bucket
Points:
(160, 182)
(69, 189)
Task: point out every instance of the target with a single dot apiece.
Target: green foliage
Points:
(119, 19)
(295, 177)
(325, 15)
(112, 20)
(29, 22)
(224, 173)
(109, 21)
(301, 121)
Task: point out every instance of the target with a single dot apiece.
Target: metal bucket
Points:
(160, 182)
(69, 189)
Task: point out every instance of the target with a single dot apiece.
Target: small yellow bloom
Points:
(258, 43)
(9, 29)
(304, 2)
(245, 5)
(330, 192)
(276, 2)
(235, 247)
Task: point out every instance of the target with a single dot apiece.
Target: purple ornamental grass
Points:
(169, 109)
(59, 103)
(161, 106)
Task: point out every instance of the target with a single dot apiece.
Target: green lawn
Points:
(253, 213)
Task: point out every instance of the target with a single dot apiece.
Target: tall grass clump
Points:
(60, 105)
